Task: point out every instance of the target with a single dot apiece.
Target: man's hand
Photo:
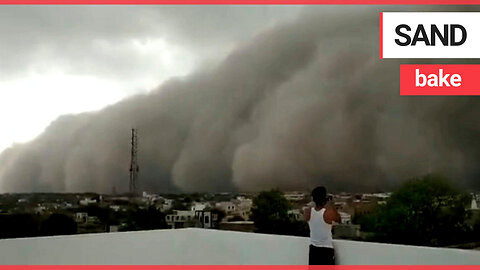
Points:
(329, 204)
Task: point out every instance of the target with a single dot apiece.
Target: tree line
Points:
(427, 211)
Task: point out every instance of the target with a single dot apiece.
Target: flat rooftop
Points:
(212, 247)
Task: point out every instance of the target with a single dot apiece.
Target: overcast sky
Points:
(56, 60)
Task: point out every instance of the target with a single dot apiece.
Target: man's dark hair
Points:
(319, 195)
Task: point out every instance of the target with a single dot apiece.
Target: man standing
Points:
(320, 218)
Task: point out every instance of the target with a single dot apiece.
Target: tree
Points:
(424, 211)
(145, 219)
(58, 224)
(270, 215)
(18, 225)
(178, 205)
(105, 215)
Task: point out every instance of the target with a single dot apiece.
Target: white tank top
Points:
(320, 231)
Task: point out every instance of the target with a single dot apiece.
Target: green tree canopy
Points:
(270, 215)
(58, 224)
(427, 210)
(145, 219)
(18, 225)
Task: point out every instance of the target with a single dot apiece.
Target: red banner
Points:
(439, 80)
(239, 267)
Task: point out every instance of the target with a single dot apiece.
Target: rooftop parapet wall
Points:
(211, 247)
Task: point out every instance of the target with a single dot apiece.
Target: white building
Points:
(347, 231)
(180, 219)
(115, 208)
(473, 205)
(165, 204)
(227, 207)
(81, 217)
(40, 209)
(92, 219)
(205, 219)
(244, 207)
(199, 206)
(185, 219)
(66, 205)
(345, 218)
(150, 198)
(239, 206)
(295, 214)
(294, 196)
(243, 203)
(87, 201)
(380, 195)
(113, 228)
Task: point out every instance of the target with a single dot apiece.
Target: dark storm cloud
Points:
(301, 104)
(98, 39)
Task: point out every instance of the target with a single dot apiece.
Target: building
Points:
(379, 195)
(84, 218)
(295, 214)
(474, 205)
(186, 219)
(115, 208)
(294, 196)
(228, 207)
(81, 217)
(39, 210)
(87, 201)
(346, 231)
(200, 206)
(345, 206)
(345, 218)
(206, 219)
(113, 228)
(150, 199)
(240, 207)
(181, 219)
(164, 204)
(22, 200)
(474, 213)
(364, 207)
(244, 207)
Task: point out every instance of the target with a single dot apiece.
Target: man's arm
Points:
(306, 213)
(331, 214)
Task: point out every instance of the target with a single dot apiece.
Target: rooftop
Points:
(211, 247)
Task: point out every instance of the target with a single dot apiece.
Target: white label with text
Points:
(430, 35)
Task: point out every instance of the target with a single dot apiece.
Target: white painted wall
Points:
(201, 246)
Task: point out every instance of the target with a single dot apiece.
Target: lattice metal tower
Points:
(134, 169)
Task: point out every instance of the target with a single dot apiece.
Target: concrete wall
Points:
(200, 246)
